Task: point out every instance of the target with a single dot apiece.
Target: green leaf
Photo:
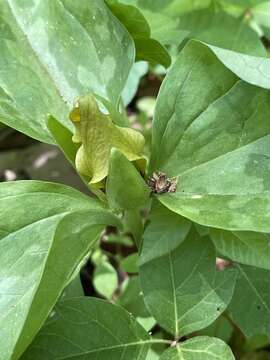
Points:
(138, 70)
(166, 230)
(181, 287)
(173, 21)
(223, 30)
(130, 263)
(120, 239)
(179, 7)
(201, 347)
(73, 289)
(89, 328)
(105, 279)
(146, 48)
(41, 219)
(206, 133)
(134, 224)
(254, 70)
(250, 306)
(169, 7)
(164, 28)
(261, 13)
(52, 52)
(132, 18)
(152, 51)
(125, 187)
(131, 298)
(249, 248)
(63, 138)
(98, 134)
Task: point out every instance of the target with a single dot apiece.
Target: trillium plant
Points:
(175, 221)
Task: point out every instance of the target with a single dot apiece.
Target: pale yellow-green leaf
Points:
(98, 134)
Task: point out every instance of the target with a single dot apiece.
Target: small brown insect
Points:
(159, 183)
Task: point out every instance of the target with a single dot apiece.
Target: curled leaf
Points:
(98, 134)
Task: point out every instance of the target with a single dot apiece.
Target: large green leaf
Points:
(54, 51)
(212, 132)
(47, 230)
(181, 287)
(88, 328)
(200, 348)
(250, 306)
(97, 135)
(246, 247)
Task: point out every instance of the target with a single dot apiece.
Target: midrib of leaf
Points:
(113, 347)
(253, 288)
(174, 296)
(177, 289)
(179, 352)
(43, 66)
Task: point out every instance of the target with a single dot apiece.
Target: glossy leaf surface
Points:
(47, 229)
(58, 51)
(89, 328)
(212, 132)
(181, 287)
